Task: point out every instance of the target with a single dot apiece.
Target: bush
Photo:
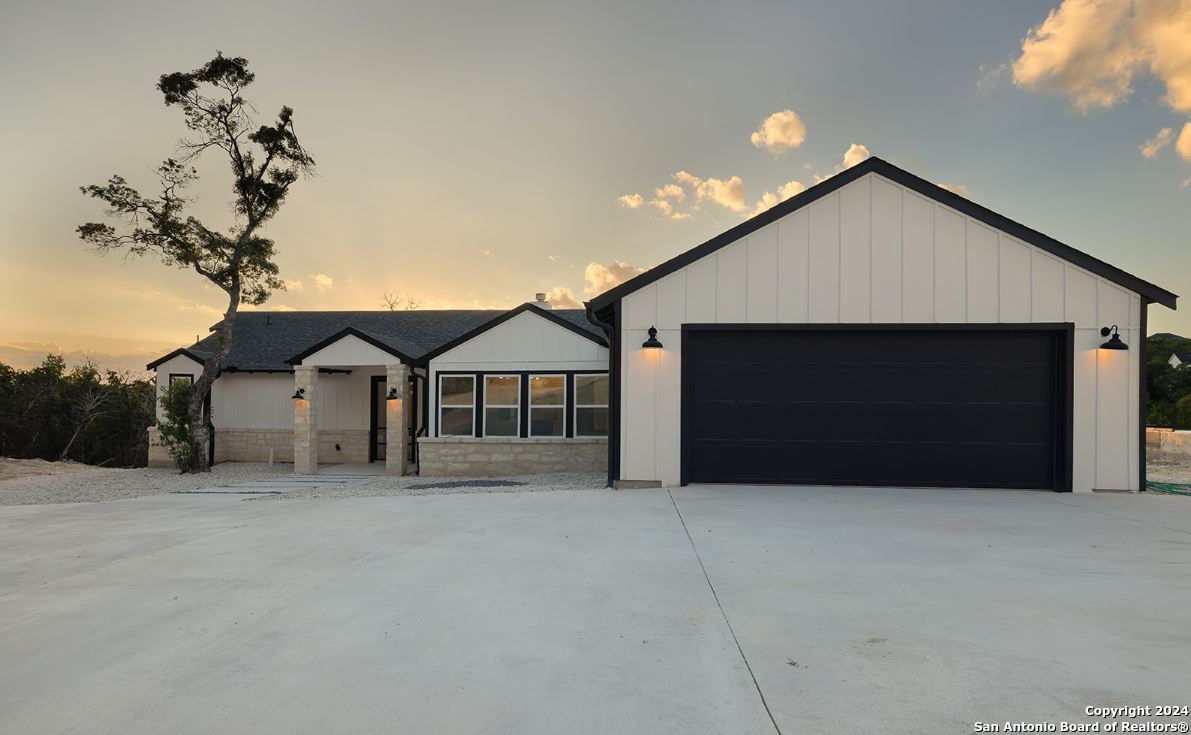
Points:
(174, 430)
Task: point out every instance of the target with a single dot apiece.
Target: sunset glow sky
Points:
(473, 153)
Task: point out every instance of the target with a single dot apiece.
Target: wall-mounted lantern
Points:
(1114, 342)
(299, 394)
(652, 343)
(393, 394)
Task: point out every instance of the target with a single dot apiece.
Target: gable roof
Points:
(585, 330)
(1147, 290)
(270, 341)
(1182, 356)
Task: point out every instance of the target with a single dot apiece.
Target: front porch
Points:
(354, 403)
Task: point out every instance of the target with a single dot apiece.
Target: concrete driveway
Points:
(813, 609)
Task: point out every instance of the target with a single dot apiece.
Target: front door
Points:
(377, 439)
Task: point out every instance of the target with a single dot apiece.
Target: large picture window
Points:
(457, 405)
(547, 405)
(502, 401)
(591, 405)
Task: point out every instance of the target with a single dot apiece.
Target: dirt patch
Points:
(1169, 469)
(11, 469)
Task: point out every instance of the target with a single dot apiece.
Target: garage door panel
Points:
(884, 407)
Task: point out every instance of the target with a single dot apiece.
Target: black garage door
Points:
(917, 406)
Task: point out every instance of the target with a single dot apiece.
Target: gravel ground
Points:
(96, 484)
(1169, 470)
(379, 486)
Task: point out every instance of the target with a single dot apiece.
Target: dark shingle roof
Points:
(1184, 357)
(265, 340)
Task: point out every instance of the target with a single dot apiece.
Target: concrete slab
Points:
(928, 610)
(502, 613)
(588, 612)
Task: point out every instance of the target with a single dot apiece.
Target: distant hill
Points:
(1166, 336)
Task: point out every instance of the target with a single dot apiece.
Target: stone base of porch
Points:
(492, 457)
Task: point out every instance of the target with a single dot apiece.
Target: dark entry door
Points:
(377, 439)
(909, 406)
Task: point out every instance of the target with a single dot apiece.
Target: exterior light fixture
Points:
(1114, 342)
(299, 394)
(393, 395)
(652, 343)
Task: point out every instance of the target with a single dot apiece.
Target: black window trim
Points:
(523, 413)
(438, 406)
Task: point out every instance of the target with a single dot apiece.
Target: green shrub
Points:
(173, 431)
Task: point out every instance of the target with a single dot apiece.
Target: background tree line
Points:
(83, 414)
(1168, 388)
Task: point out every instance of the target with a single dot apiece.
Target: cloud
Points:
(767, 200)
(632, 201)
(486, 252)
(1090, 51)
(689, 179)
(955, 189)
(789, 189)
(599, 278)
(1161, 139)
(1186, 183)
(26, 355)
(855, 154)
(322, 281)
(991, 76)
(679, 216)
(661, 205)
(1183, 145)
(670, 191)
(727, 193)
(780, 132)
(561, 297)
(293, 285)
(551, 258)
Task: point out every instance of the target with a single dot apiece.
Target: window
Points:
(502, 401)
(181, 378)
(457, 402)
(547, 405)
(591, 405)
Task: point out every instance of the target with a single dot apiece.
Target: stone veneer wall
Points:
(1167, 444)
(253, 445)
(491, 457)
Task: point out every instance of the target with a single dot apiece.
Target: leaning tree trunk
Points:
(202, 387)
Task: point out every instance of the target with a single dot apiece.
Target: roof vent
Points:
(540, 301)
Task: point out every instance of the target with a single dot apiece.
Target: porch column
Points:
(306, 421)
(396, 420)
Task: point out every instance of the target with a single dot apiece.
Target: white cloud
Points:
(679, 216)
(561, 297)
(599, 278)
(552, 258)
(1186, 183)
(293, 285)
(955, 189)
(727, 193)
(1161, 139)
(854, 155)
(689, 179)
(486, 252)
(991, 76)
(1090, 51)
(661, 205)
(1183, 145)
(780, 132)
(670, 191)
(767, 200)
(789, 189)
(322, 281)
(632, 201)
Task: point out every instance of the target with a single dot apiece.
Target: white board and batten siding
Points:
(264, 400)
(878, 252)
(527, 342)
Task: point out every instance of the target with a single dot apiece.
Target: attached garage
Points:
(879, 330)
(910, 406)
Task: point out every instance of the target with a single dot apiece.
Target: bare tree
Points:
(265, 163)
(396, 302)
(84, 408)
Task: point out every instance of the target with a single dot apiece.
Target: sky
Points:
(470, 154)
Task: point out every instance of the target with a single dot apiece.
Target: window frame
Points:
(576, 405)
(438, 429)
(565, 393)
(486, 405)
(178, 376)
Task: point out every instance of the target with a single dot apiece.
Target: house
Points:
(1179, 359)
(877, 329)
(443, 392)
